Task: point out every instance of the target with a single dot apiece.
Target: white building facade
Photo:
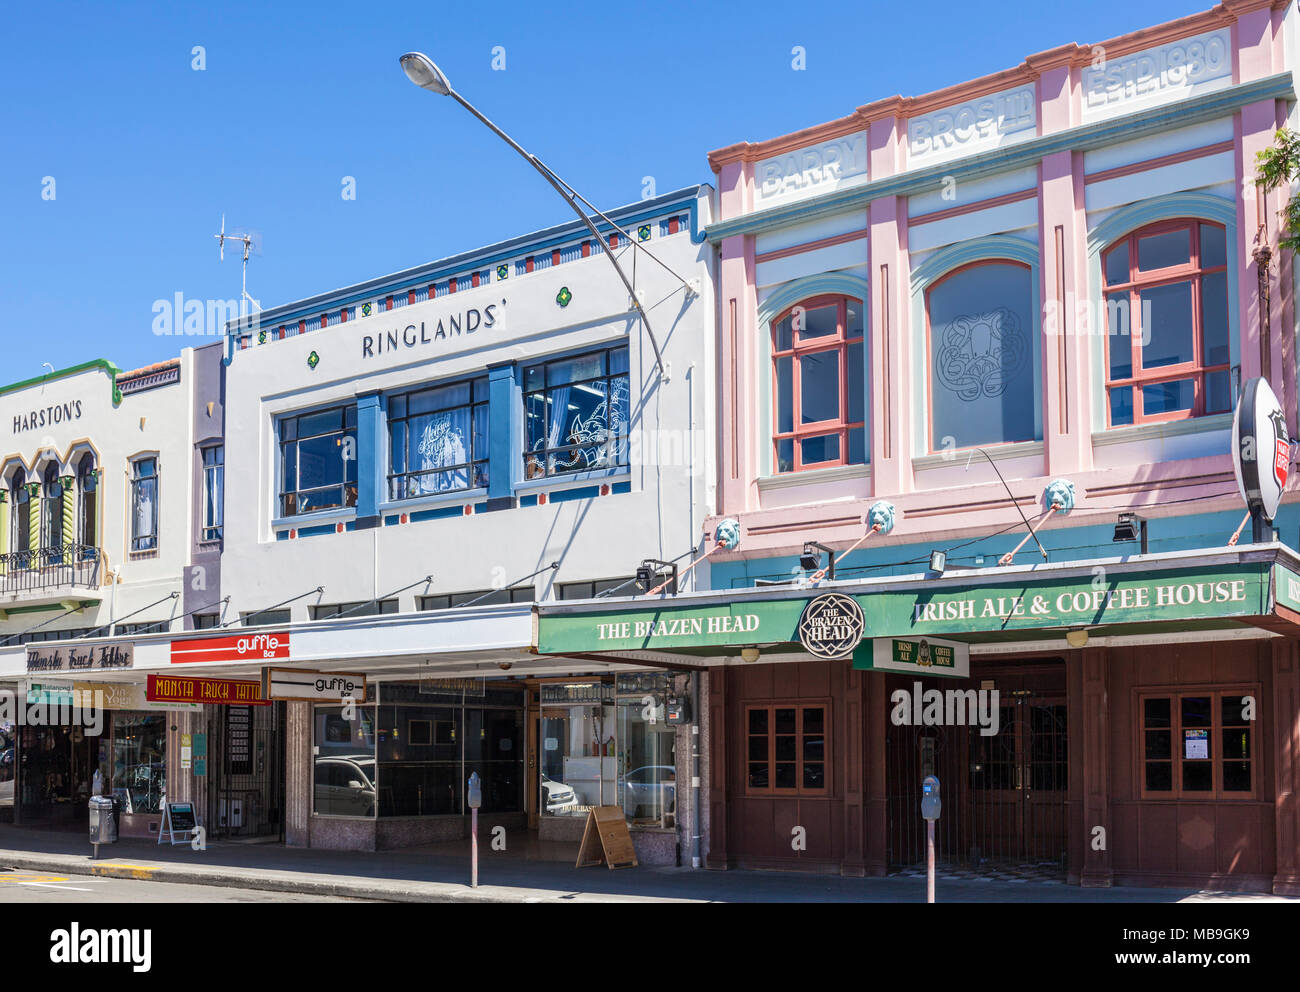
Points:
(102, 522)
(413, 461)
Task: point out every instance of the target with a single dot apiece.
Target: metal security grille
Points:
(246, 771)
(1004, 795)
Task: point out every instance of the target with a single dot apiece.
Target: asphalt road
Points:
(55, 888)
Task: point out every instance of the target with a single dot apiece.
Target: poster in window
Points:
(1196, 744)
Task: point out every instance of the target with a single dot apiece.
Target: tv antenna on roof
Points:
(251, 241)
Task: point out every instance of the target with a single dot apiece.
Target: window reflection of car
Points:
(649, 790)
(345, 785)
(558, 796)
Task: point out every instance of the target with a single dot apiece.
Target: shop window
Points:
(786, 750)
(144, 504)
(983, 370)
(819, 384)
(590, 590)
(264, 618)
(1168, 329)
(579, 763)
(343, 770)
(132, 629)
(214, 491)
(318, 461)
(1197, 745)
(494, 748)
(438, 440)
(139, 752)
(576, 414)
(486, 597)
(384, 607)
(412, 753)
(8, 763)
(647, 766)
(87, 506)
(40, 636)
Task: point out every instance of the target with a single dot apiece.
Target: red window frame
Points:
(798, 705)
(798, 350)
(1137, 281)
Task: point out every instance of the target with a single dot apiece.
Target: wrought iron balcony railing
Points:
(40, 569)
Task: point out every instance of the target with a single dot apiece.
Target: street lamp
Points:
(421, 70)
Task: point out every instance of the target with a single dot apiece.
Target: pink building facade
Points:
(948, 302)
(1034, 173)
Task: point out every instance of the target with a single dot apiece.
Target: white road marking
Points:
(53, 885)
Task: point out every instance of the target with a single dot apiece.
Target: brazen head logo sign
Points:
(1261, 448)
(831, 626)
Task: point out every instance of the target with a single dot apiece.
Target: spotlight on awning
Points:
(649, 572)
(811, 559)
(1131, 527)
(938, 561)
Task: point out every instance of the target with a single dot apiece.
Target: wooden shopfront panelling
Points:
(1186, 840)
(760, 827)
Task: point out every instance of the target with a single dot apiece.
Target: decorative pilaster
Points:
(854, 758)
(4, 531)
(370, 443)
(1093, 737)
(69, 511)
(34, 516)
(876, 812)
(716, 758)
(1286, 769)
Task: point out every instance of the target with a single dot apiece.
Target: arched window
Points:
(819, 383)
(1167, 341)
(20, 498)
(982, 350)
(87, 505)
(52, 513)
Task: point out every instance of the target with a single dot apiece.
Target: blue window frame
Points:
(576, 413)
(438, 440)
(318, 461)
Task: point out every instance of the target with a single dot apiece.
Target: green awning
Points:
(1186, 591)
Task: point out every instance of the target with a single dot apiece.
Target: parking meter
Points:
(930, 804)
(474, 800)
(475, 791)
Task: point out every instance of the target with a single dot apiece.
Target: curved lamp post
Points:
(421, 70)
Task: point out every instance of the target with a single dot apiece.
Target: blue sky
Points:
(147, 153)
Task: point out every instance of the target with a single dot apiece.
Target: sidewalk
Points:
(441, 874)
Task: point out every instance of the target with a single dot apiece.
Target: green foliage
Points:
(1277, 166)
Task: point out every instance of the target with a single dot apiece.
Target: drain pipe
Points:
(697, 824)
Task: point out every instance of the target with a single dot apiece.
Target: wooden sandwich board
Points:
(606, 840)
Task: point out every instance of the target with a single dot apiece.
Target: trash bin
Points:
(103, 824)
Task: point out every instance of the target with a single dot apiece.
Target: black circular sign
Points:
(831, 626)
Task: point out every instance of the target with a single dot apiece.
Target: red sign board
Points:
(214, 692)
(233, 647)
